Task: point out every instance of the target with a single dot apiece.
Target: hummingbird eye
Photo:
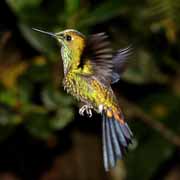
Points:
(68, 38)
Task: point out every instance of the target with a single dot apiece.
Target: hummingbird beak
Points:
(44, 32)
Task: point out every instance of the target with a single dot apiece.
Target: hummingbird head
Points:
(71, 39)
(72, 42)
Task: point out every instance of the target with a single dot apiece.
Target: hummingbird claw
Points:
(81, 112)
(86, 108)
(89, 112)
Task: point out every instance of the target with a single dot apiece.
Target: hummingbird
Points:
(90, 69)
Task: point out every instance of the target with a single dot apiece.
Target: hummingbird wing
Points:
(120, 63)
(98, 54)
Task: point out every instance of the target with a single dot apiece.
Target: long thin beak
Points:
(44, 32)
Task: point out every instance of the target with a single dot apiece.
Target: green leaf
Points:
(104, 12)
(54, 98)
(19, 5)
(8, 118)
(63, 117)
(8, 97)
(72, 6)
(38, 125)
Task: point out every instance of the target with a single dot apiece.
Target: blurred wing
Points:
(98, 54)
(120, 62)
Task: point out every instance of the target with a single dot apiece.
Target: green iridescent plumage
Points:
(89, 70)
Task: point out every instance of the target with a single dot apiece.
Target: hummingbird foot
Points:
(86, 108)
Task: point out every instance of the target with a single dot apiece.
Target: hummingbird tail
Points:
(116, 138)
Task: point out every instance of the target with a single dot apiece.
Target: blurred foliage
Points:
(30, 90)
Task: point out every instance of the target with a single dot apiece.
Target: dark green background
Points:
(40, 121)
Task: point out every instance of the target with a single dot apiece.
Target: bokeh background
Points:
(42, 136)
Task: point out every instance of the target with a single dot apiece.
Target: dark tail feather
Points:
(109, 158)
(116, 138)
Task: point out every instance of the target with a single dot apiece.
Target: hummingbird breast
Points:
(89, 91)
(78, 87)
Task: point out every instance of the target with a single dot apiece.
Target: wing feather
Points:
(99, 53)
(120, 63)
(98, 56)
